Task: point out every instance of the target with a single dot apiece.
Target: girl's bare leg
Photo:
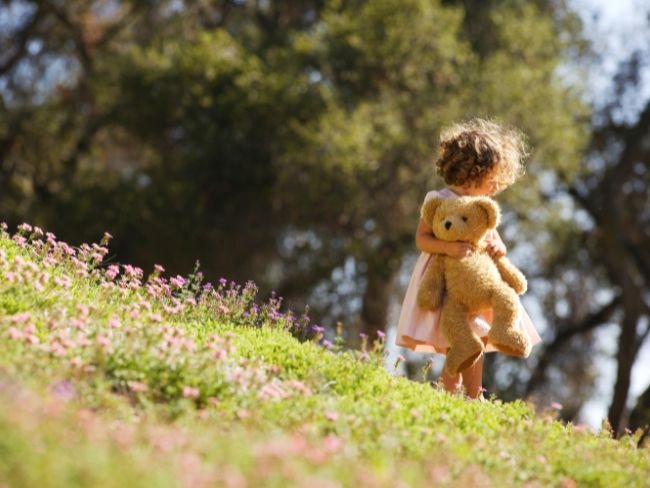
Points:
(473, 379)
(452, 384)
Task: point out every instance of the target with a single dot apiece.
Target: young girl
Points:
(477, 157)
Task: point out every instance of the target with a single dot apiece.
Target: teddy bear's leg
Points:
(464, 346)
(504, 333)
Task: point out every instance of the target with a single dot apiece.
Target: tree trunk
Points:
(380, 276)
(625, 274)
(625, 359)
(640, 415)
(374, 311)
(565, 334)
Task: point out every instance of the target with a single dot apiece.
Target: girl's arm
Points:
(495, 246)
(425, 241)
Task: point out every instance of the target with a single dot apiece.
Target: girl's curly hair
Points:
(472, 150)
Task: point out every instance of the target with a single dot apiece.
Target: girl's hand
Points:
(459, 249)
(495, 248)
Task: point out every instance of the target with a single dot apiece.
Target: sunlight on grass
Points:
(111, 378)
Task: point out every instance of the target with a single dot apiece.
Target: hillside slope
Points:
(111, 378)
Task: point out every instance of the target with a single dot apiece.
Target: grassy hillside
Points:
(112, 378)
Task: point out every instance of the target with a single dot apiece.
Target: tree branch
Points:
(21, 41)
(77, 34)
(633, 140)
(589, 323)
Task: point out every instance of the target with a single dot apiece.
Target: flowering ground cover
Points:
(110, 377)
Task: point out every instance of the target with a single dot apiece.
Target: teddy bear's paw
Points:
(460, 358)
(510, 342)
(520, 287)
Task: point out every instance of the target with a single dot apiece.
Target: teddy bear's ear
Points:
(429, 208)
(492, 210)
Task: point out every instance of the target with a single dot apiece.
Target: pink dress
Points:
(420, 330)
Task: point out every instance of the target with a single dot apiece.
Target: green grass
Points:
(109, 381)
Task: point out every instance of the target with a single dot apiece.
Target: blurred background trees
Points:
(292, 143)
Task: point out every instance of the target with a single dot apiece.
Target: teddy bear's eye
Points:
(464, 219)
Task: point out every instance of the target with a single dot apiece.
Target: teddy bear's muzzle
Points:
(447, 225)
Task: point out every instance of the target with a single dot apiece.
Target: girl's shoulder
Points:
(443, 193)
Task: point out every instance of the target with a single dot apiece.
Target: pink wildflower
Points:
(63, 390)
(132, 271)
(103, 251)
(331, 415)
(76, 362)
(79, 265)
(78, 323)
(58, 350)
(124, 434)
(103, 341)
(190, 392)
(112, 271)
(21, 317)
(300, 387)
(243, 413)
(67, 249)
(172, 310)
(220, 354)
(14, 333)
(177, 282)
(25, 227)
(137, 386)
(31, 339)
(63, 281)
(20, 240)
(556, 406)
(332, 444)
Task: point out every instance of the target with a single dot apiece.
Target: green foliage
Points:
(102, 374)
(230, 126)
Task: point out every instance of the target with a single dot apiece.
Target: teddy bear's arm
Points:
(428, 210)
(511, 275)
(432, 286)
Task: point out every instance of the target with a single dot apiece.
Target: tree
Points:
(289, 142)
(608, 247)
(394, 76)
(163, 130)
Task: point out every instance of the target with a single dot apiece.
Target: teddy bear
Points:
(472, 283)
